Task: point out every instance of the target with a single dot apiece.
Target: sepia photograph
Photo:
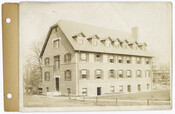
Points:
(95, 56)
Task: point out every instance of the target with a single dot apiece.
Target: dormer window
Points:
(108, 43)
(134, 46)
(124, 45)
(116, 44)
(79, 38)
(94, 41)
(142, 46)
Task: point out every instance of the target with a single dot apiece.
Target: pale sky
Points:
(152, 19)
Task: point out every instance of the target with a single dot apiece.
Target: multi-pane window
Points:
(147, 73)
(120, 72)
(47, 61)
(84, 74)
(147, 60)
(139, 87)
(139, 73)
(67, 57)
(112, 88)
(95, 41)
(138, 59)
(84, 91)
(128, 59)
(98, 57)
(67, 75)
(121, 88)
(111, 73)
(111, 58)
(47, 89)
(56, 43)
(120, 59)
(98, 74)
(83, 56)
(56, 62)
(128, 73)
(47, 76)
(116, 44)
(129, 88)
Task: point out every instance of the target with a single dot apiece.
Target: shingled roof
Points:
(71, 29)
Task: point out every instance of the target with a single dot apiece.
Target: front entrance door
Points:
(98, 90)
(57, 84)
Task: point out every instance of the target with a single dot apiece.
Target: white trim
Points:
(59, 38)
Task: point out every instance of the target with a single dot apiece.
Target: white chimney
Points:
(135, 33)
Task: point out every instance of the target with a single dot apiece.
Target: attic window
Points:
(80, 40)
(116, 44)
(134, 46)
(95, 41)
(108, 43)
(124, 45)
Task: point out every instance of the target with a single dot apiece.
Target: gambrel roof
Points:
(71, 29)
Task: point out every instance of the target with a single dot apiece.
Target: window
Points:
(148, 86)
(67, 75)
(120, 59)
(68, 90)
(94, 41)
(112, 73)
(120, 73)
(139, 87)
(112, 89)
(128, 60)
(84, 91)
(67, 57)
(108, 43)
(80, 40)
(128, 73)
(134, 46)
(47, 76)
(147, 73)
(111, 59)
(83, 57)
(84, 74)
(47, 89)
(129, 88)
(56, 62)
(138, 60)
(98, 74)
(47, 61)
(147, 60)
(138, 73)
(98, 57)
(116, 44)
(121, 88)
(56, 43)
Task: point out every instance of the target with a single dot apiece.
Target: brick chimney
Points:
(135, 33)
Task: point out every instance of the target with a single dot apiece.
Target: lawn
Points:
(160, 97)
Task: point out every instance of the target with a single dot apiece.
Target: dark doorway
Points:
(98, 90)
(57, 84)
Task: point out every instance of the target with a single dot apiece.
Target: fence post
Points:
(116, 102)
(96, 99)
(148, 102)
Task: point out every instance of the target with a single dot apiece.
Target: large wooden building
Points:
(83, 59)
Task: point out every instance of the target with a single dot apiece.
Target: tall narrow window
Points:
(138, 60)
(120, 73)
(139, 87)
(108, 43)
(95, 41)
(80, 40)
(128, 60)
(67, 75)
(84, 74)
(98, 57)
(120, 59)
(56, 62)
(47, 89)
(47, 76)
(147, 73)
(98, 74)
(116, 44)
(83, 57)
(67, 57)
(139, 73)
(147, 60)
(47, 61)
(121, 88)
(128, 73)
(111, 58)
(129, 88)
(111, 73)
(84, 91)
(112, 89)
(56, 43)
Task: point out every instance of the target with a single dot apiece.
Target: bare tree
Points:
(33, 68)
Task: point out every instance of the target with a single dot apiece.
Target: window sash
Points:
(83, 56)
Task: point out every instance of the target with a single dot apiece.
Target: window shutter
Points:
(136, 74)
(64, 75)
(140, 73)
(109, 74)
(64, 58)
(101, 58)
(102, 74)
(80, 75)
(88, 77)
(70, 75)
(95, 74)
(95, 59)
(70, 57)
(131, 73)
